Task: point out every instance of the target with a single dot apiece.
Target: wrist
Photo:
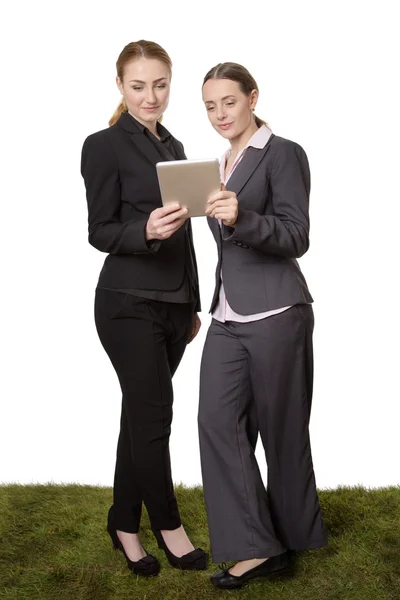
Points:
(149, 237)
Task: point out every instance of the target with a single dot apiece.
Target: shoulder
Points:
(282, 145)
(178, 142)
(98, 151)
(286, 152)
(102, 145)
(101, 138)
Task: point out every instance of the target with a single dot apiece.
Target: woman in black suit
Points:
(147, 300)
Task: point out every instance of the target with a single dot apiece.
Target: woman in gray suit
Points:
(257, 365)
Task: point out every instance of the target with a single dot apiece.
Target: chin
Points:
(151, 118)
(228, 135)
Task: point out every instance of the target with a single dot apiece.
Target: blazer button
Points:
(245, 246)
(239, 243)
(234, 241)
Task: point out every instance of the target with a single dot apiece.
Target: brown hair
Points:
(132, 51)
(235, 72)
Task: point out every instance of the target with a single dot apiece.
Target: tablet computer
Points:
(189, 182)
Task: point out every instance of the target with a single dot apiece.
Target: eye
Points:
(161, 86)
(137, 88)
(209, 108)
(230, 104)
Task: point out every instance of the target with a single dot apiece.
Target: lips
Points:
(151, 108)
(225, 126)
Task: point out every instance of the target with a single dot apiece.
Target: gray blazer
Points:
(258, 256)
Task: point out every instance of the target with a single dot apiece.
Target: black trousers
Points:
(257, 378)
(145, 341)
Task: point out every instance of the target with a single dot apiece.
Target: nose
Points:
(151, 96)
(220, 113)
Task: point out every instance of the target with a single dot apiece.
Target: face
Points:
(229, 109)
(145, 87)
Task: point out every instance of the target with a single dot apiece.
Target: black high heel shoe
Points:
(196, 560)
(147, 566)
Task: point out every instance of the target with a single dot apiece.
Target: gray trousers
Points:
(257, 378)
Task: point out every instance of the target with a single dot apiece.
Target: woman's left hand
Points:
(195, 328)
(224, 206)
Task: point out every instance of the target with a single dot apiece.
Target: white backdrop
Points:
(327, 78)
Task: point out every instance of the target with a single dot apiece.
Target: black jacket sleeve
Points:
(107, 233)
(286, 232)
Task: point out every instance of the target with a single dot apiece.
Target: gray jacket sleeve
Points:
(285, 232)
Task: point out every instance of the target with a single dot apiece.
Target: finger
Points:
(179, 214)
(224, 216)
(217, 205)
(210, 212)
(171, 228)
(227, 202)
(214, 198)
(221, 196)
(223, 209)
(167, 210)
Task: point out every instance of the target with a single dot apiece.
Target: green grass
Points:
(53, 546)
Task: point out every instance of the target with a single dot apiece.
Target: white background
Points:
(327, 76)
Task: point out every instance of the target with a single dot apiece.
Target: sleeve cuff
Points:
(153, 245)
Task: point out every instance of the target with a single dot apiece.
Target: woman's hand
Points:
(164, 221)
(224, 206)
(195, 328)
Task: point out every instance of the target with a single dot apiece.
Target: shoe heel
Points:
(146, 567)
(159, 539)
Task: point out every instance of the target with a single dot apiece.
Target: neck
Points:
(151, 126)
(239, 142)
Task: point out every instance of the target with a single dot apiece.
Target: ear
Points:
(119, 85)
(253, 98)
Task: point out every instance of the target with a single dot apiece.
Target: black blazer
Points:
(118, 167)
(258, 256)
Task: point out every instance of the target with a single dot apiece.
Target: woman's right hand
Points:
(164, 221)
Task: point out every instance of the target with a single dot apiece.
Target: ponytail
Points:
(259, 122)
(121, 108)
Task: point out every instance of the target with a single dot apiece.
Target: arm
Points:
(107, 233)
(286, 232)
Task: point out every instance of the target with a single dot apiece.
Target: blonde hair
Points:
(134, 50)
(236, 72)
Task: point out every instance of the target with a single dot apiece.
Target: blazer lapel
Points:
(178, 149)
(144, 145)
(246, 167)
(215, 230)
